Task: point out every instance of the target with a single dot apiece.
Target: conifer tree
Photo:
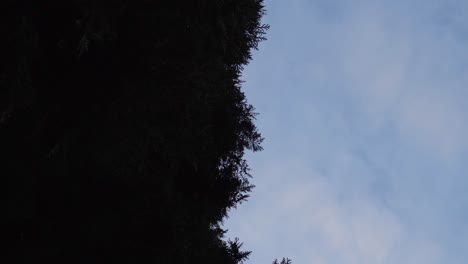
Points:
(123, 127)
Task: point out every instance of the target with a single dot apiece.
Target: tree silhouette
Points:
(123, 127)
(283, 261)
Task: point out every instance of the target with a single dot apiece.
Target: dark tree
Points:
(283, 261)
(123, 128)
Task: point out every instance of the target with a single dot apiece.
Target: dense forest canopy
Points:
(123, 128)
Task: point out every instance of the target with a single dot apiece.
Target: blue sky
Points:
(362, 106)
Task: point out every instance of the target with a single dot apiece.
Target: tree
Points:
(124, 127)
(283, 261)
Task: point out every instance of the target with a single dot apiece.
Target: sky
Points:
(362, 106)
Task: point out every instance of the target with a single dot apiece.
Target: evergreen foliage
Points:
(123, 128)
(283, 261)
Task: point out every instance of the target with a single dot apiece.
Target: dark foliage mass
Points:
(123, 128)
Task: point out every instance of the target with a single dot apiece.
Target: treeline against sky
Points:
(123, 128)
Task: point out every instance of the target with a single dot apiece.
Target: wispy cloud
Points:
(314, 219)
(363, 107)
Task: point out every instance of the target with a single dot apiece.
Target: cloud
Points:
(330, 224)
(406, 76)
(362, 104)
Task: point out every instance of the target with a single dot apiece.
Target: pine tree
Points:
(124, 127)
